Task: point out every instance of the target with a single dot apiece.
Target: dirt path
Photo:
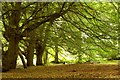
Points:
(66, 71)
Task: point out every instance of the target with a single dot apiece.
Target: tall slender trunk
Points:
(45, 58)
(56, 53)
(80, 47)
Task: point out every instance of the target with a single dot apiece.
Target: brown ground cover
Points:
(66, 71)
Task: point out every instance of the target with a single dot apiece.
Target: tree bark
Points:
(11, 29)
(10, 57)
(39, 54)
(39, 59)
(45, 58)
(80, 47)
(30, 54)
(56, 53)
(30, 49)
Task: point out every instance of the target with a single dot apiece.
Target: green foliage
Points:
(87, 31)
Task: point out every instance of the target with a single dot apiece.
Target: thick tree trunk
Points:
(11, 32)
(39, 54)
(10, 57)
(30, 49)
(39, 59)
(30, 54)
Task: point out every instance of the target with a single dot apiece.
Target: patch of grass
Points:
(110, 62)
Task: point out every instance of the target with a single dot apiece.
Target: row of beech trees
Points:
(30, 27)
(19, 19)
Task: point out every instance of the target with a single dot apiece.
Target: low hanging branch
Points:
(81, 29)
(48, 19)
(21, 53)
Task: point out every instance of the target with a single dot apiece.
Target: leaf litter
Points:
(66, 71)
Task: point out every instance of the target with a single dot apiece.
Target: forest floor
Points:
(66, 71)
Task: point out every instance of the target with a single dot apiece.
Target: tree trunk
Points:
(30, 49)
(56, 53)
(45, 58)
(30, 54)
(39, 54)
(12, 31)
(10, 57)
(39, 59)
(80, 47)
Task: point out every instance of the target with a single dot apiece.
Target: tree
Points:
(30, 49)
(20, 19)
(82, 28)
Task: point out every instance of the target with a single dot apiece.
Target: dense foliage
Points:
(84, 32)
